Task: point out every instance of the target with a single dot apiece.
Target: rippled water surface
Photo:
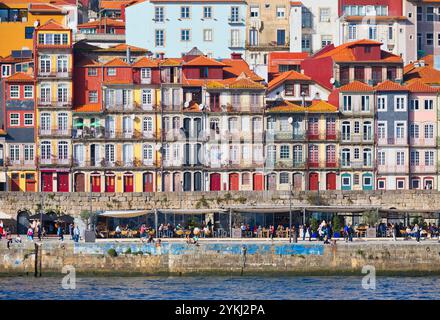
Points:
(200, 288)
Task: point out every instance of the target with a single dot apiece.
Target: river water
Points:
(221, 288)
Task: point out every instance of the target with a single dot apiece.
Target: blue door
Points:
(346, 181)
(281, 37)
(367, 181)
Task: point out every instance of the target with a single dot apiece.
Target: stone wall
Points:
(73, 203)
(225, 258)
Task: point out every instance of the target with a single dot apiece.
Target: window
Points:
(400, 183)
(368, 131)
(284, 177)
(419, 14)
(305, 42)
(429, 158)
(284, 152)
(63, 153)
(271, 153)
(111, 71)
(351, 32)
(145, 73)
(28, 91)
(207, 35)
(184, 12)
(28, 32)
(62, 62)
(345, 157)
(414, 131)
(185, 35)
(159, 14)
(159, 38)
(14, 119)
(14, 92)
(109, 153)
(356, 127)
(381, 130)
(429, 131)
(414, 158)
(146, 97)
(28, 119)
(93, 96)
(62, 92)
(46, 150)
(281, 12)
(28, 152)
(324, 15)
(92, 72)
(399, 104)
(414, 104)
(45, 64)
(207, 12)
(289, 89)
(382, 103)
(14, 152)
(429, 39)
(356, 153)
(365, 103)
(381, 184)
(235, 14)
(381, 158)
(6, 70)
(347, 103)
(326, 40)
(297, 154)
(400, 158)
(429, 104)
(255, 11)
(430, 14)
(304, 89)
(400, 130)
(390, 32)
(372, 32)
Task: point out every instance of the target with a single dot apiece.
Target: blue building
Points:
(216, 27)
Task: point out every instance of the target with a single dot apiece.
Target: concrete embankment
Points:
(179, 258)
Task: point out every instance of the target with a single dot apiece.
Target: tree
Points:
(371, 218)
(88, 217)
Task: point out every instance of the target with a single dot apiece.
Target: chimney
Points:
(161, 55)
(236, 56)
(128, 55)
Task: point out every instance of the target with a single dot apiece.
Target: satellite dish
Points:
(201, 106)
(332, 80)
(186, 104)
(290, 120)
(36, 23)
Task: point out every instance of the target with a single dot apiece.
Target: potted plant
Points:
(314, 227)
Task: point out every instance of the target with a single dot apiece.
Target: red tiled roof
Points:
(171, 62)
(204, 61)
(20, 77)
(427, 73)
(115, 4)
(235, 67)
(419, 86)
(356, 86)
(116, 62)
(45, 7)
(285, 58)
(103, 22)
(145, 62)
(123, 48)
(389, 86)
(52, 25)
(2, 132)
(319, 106)
(286, 76)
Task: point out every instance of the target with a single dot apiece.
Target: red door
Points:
(30, 182)
(233, 181)
(313, 181)
(79, 182)
(331, 181)
(63, 182)
(215, 182)
(128, 183)
(258, 181)
(47, 182)
(96, 183)
(148, 182)
(15, 182)
(109, 183)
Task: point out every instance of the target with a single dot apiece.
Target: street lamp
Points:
(290, 213)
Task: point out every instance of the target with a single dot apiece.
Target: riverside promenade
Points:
(221, 257)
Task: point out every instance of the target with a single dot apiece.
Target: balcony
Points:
(423, 169)
(55, 74)
(392, 169)
(19, 164)
(103, 163)
(172, 107)
(54, 161)
(54, 104)
(285, 136)
(356, 164)
(285, 164)
(355, 138)
(268, 46)
(102, 133)
(54, 132)
(422, 142)
(233, 43)
(236, 19)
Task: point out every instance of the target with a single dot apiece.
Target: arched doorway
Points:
(197, 181)
(297, 181)
(272, 182)
(313, 181)
(177, 177)
(258, 181)
(215, 182)
(23, 221)
(79, 182)
(234, 182)
(331, 181)
(110, 182)
(148, 182)
(128, 182)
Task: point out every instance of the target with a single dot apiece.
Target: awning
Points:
(2, 176)
(78, 123)
(124, 214)
(190, 211)
(4, 216)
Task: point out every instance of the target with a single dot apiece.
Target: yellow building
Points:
(18, 19)
(53, 67)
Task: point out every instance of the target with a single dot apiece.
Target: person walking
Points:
(60, 233)
(417, 232)
(39, 232)
(30, 233)
(76, 233)
(8, 238)
(71, 231)
(394, 231)
(346, 232)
